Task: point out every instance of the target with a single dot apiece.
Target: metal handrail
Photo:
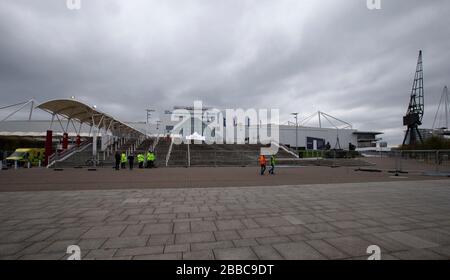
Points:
(68, 151)
(56, 156)
(169, 152)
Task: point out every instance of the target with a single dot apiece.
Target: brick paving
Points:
(407, 219)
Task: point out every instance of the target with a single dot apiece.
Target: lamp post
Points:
(157, 124)
(296, 130)
(149, 114)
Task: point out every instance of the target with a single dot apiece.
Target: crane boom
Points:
(416, 108)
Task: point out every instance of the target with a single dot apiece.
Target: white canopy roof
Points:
(75, 110)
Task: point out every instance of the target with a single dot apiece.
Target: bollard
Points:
(56, 159)
(15, 164)
(40, 163)
(437, 162)
(334, 159)
(215, 159)
(398, 160)
(28, 165)
(188, 155)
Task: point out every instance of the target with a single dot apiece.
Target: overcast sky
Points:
(296, 55)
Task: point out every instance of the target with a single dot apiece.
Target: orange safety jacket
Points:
(262, 160)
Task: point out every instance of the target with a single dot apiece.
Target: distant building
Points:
(310, 138)
(366, 139)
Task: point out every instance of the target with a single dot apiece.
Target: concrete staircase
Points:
(218, 155)
(145, 145)
(161, 149)
(75, 160)
(84, 158)
(179, 155)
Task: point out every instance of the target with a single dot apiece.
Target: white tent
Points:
(196, 137)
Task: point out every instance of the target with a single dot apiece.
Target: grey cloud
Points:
(125, 56)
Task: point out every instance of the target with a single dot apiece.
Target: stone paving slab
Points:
(419, 254)
(407, 220)
(243, 253)
(199, 255)
(410, 240)
(298, 251)
(326, 249)
(266, 252)
(140, 251)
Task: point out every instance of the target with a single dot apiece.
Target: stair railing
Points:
(169, 152)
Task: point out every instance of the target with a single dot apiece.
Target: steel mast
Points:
(416, 107)
(444, 104)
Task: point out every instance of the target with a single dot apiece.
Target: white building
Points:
(310, 138)
(243, 130)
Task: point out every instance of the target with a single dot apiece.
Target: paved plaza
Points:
(406, 219)
(42, 179)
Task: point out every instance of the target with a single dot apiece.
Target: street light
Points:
(296, 130)
(149, 114)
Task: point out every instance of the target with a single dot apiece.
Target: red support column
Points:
(48, 146)
(65, 143)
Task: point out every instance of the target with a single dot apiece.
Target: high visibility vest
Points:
(262, 160)
(150, 156)
(272, 160)
(140, 158)
(123, 158)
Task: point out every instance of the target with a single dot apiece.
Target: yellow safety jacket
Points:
(123, 158)
(140, 158)
(150, 157)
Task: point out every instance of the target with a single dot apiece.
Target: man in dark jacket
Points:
(131, 161)
(117, 158)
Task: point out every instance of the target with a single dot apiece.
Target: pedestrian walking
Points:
(272, 165)
(262, 163)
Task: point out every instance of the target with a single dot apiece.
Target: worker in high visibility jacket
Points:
(123, 160)
(272, 165)
(141, 159)
(262, 163)
(150, 159)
